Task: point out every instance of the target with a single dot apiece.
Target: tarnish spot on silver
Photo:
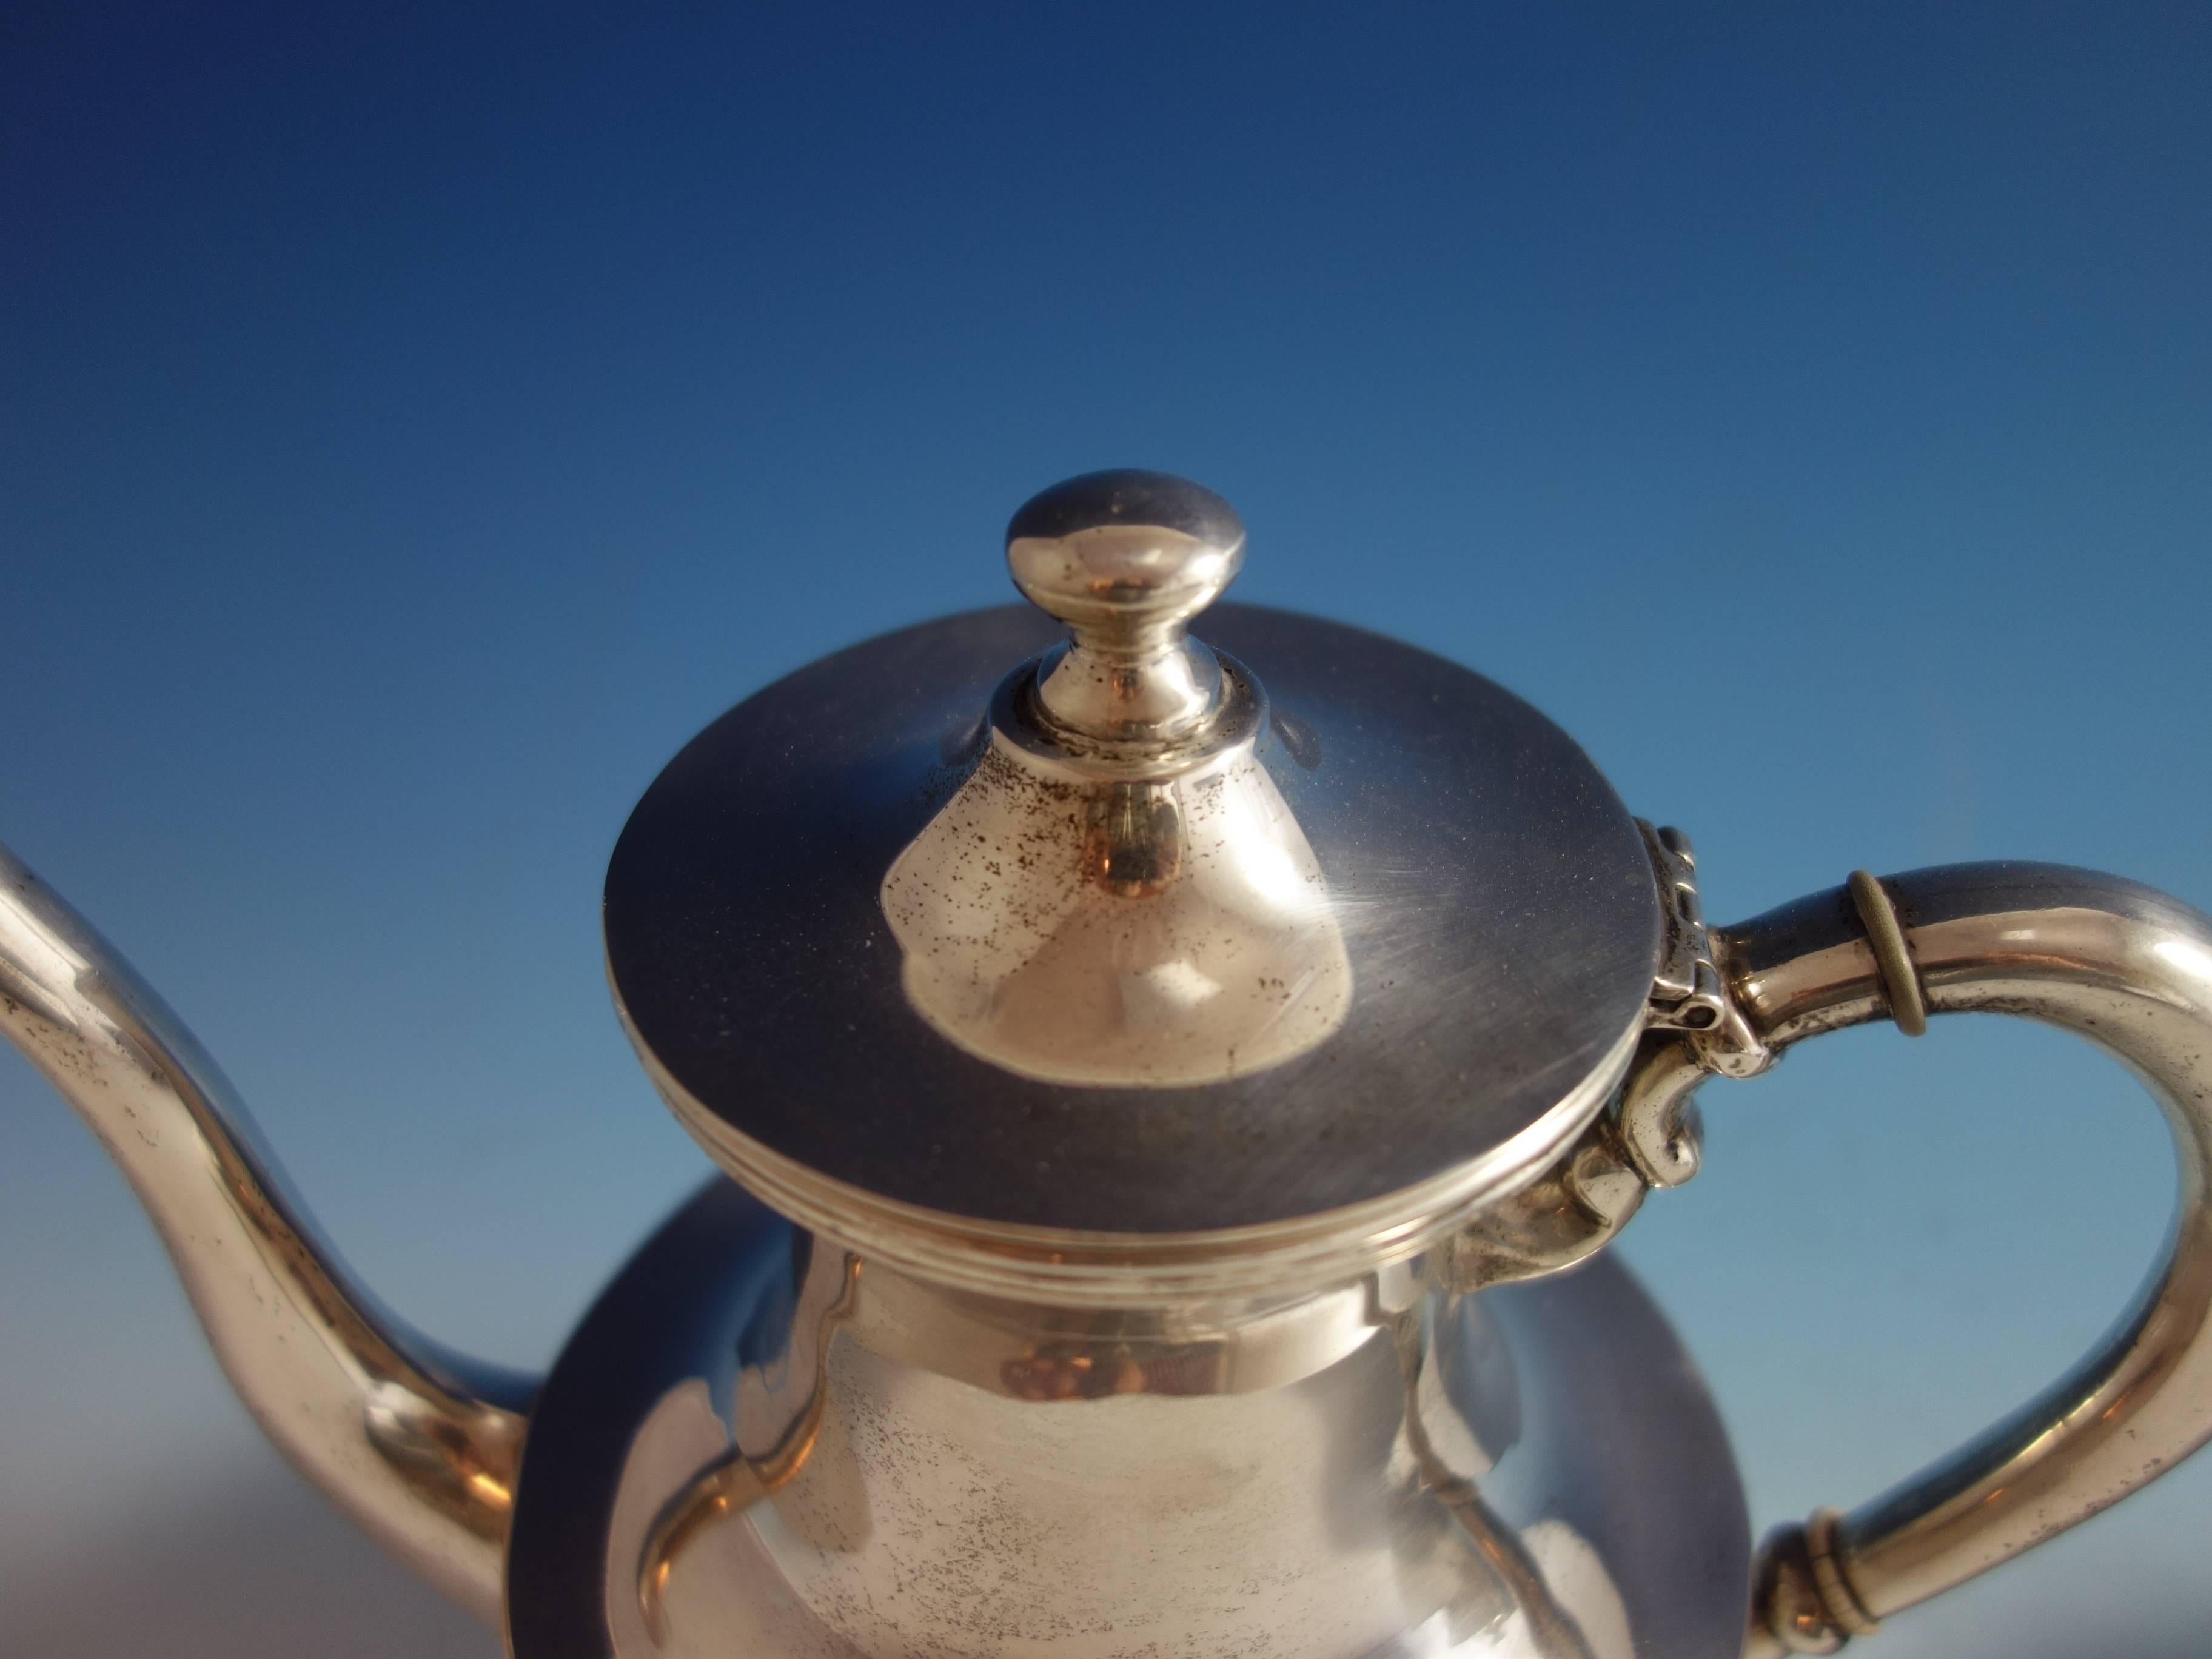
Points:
(1122, 935)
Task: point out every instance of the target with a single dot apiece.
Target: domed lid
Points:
(1116, 948)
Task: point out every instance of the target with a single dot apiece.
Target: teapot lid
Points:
(980, 939)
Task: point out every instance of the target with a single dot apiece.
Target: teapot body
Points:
(847, 1459)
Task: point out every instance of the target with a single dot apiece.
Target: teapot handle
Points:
(2121, 964)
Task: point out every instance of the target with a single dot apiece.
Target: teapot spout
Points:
(419, 1445)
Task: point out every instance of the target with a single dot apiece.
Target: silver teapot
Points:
(1161, 1086)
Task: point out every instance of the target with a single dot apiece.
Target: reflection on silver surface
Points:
(1382, 1469)
(1495, 903)
(418, 1445)
(1118, 894)
(1074, 924)
(777, 1423)
(1126, 559)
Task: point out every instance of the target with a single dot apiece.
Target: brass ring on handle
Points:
(1899, 979)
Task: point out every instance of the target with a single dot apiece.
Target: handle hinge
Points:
(1650, 1139)
(1688, 993)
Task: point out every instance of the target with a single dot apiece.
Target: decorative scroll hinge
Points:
(1650, 1138)
(1688, 993)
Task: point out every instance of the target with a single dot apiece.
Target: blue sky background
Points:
(414, 425)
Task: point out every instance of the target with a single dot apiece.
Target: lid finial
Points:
(1126, 558)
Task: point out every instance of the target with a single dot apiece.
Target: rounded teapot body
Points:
(1268, 1484)
(892, 1468)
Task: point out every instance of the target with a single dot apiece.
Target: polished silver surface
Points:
(1150, 917)
(1279, 979)
(1118, 894)
(1379, 1468)
(1126, 559)
(2130, 970)
(1495, 903)
(419, 1445)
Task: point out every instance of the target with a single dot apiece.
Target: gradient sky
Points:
(414, 426)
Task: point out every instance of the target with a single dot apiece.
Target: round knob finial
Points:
(1126, 558)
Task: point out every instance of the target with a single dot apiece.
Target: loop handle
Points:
(2130, 970)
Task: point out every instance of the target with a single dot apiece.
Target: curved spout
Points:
(418, 1445)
